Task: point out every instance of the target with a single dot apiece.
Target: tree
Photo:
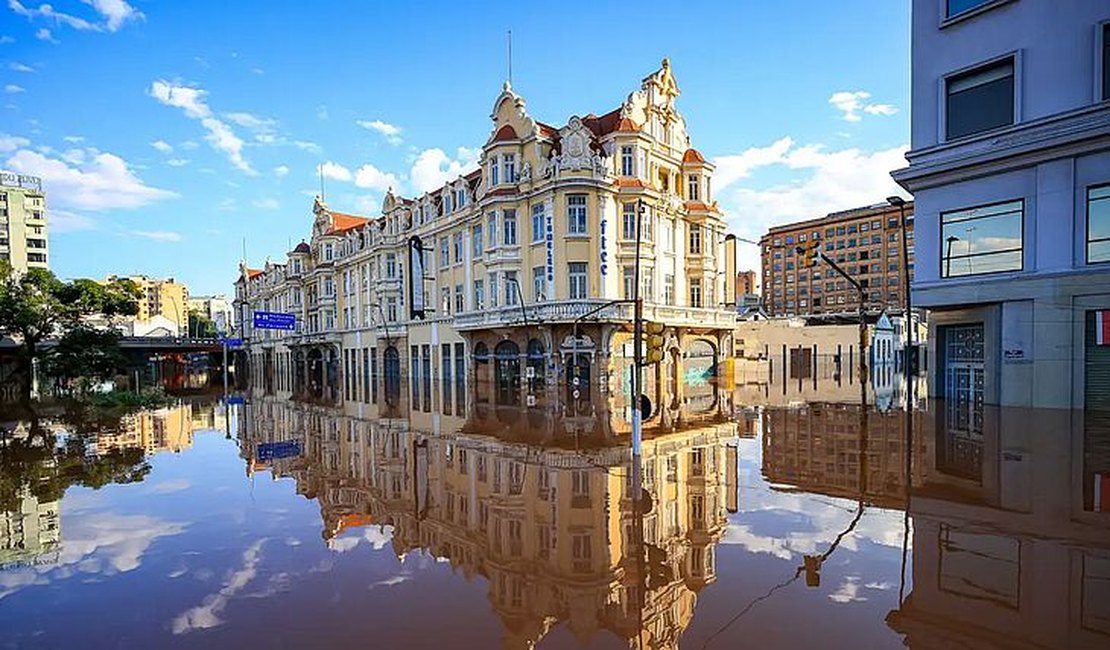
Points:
(84, 356)
(201, 325)
(37, 305)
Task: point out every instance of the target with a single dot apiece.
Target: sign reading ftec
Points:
(272, 320)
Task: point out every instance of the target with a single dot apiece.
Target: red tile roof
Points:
(629, 182)
(502, 191)
(605, 124)
(505, 133)
(546, 130)
(627, 125)
(692, 156)
(698, 206)
(344, 222)
(253, 273)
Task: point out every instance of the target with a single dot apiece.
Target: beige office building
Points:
(23, 235)
(166, 298)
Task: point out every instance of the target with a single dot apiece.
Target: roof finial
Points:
(509, 78)
(666, 63)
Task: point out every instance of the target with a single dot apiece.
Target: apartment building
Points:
(865, 242)
(23, 232)
(166, 298)
(216, 308)
(1010, 169)
(511, 272)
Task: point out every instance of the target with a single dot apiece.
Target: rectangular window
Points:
(628, 274)
(447, 203)
(957, 7)
(479, 294)
(578, 280)
(511, 288)
(1106, 61)
(537, 223)
(491, 229)
(537, 283)
(509, 166)
(627, 154)
(457, 242)
(444, 253)
(628, 221)
(508, 223)
(695, 239)
(476, 239)
(980, 100)
(986, 239)
(576, 214)
(1098, 224)
(459, 304)
(460, 198)
(695, 292)
(692, 187)
(494, 178)
(668, 289)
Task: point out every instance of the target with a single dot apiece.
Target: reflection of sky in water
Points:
(200, 555)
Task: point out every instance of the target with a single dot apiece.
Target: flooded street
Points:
(763, 519)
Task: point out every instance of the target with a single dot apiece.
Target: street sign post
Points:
(272, 320)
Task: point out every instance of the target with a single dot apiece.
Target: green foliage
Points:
(84, 356)
(200, 325)
(37, 305)
(129, 401)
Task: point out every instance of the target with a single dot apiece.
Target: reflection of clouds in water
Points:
(378, 537)
(207, 614)
(848, 592)
(169, 487)
(826, 518)
(103, 544)
(177, 573)
(391, 580)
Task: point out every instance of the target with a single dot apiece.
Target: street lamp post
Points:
(900, 203)
(948, 257)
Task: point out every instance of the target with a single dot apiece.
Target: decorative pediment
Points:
(509, 110)
(577, 153)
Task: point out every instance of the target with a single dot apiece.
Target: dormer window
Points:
(447, 203)
(692, 188)
(460, 198)
(508, 162)
(494, 178)
(627, 161)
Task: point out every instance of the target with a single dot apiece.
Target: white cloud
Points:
(334, 171)
(266, 204)
(258, 71)
(12, 142)
(85, 181)
(47, 11)
(322, 112)
(20, 67)
(851, 103)
(66, 221)
(249, 120)
(75, 139)
(433, 168)
(12, 89)
(116, 12)
(281, 171)
(188, 145)
(305, 145)
(162, 145)
(823, 181)
(170, 486)
(177, 162)
(370, 177)
(391, 132)
(191, 100)
(45, 35)
(5, 39)
(207, 614)
(157, 235)
(367, 204)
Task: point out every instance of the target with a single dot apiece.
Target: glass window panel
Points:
(1098, 224)
(982, 240)
(980, 100)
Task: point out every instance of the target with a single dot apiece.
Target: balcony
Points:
(568, 310)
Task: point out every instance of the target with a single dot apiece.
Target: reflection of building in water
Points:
(165, 429)
(30, 531)
(821, 448)
(540, 506)
(1008, 539)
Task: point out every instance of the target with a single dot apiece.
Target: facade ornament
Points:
(525, 172)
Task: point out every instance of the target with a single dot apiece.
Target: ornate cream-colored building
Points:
(535, 504)
(488, 274)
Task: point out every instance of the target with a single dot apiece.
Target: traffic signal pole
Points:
(637, 353)
(862, 320)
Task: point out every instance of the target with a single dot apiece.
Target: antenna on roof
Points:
(510, 44)
(321, 169)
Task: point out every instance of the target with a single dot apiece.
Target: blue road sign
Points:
(236, 400)
(272, 450)
(272, 320)
(233, 343)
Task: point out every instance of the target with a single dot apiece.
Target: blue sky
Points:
(168, 133)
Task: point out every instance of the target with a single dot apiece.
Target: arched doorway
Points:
(507, 372)
(315, 373)
(481, 372)
(537, 359)
(699, 375)
(391, 365)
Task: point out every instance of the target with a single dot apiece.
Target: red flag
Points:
(1102, 327)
